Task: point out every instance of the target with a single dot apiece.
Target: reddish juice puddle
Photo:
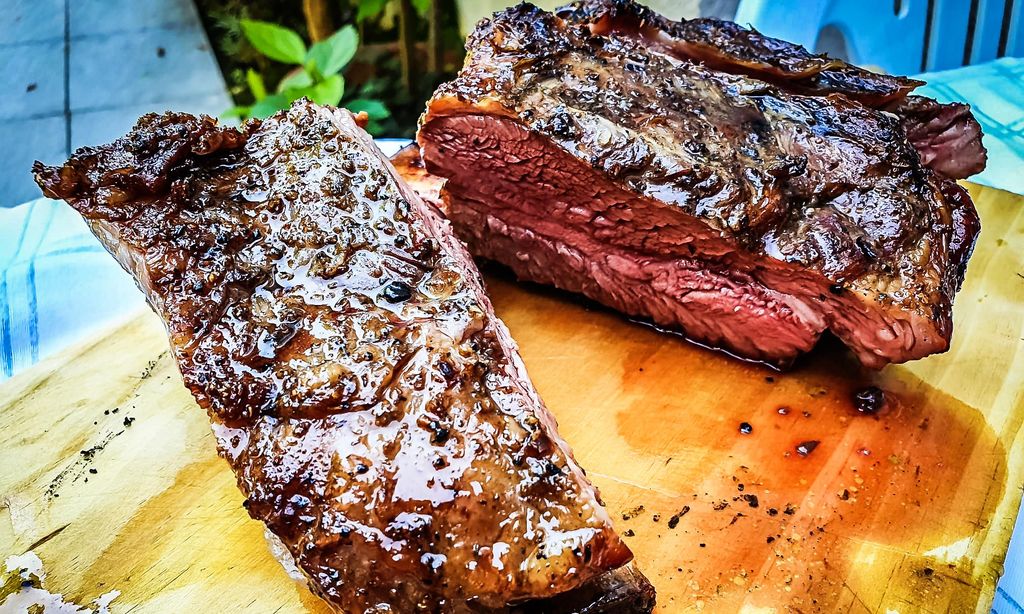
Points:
(819, 507)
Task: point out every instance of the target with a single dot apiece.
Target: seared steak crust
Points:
(708, 201)
(730, 47)
(946, 135)
(374, 409)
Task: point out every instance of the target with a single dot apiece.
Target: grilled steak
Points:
(729, 47)
(593, 153)
(375, 411)
(947, 135)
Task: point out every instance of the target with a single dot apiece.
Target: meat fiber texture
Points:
(375, 411)
(709, 179)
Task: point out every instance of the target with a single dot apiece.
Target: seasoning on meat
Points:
(709, 179)
(311, 299)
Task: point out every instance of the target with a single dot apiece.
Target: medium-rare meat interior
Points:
(375, 411)
(709, 179)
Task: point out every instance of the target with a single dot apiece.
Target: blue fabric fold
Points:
(57, 283)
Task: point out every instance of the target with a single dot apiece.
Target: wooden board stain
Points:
(764, 525)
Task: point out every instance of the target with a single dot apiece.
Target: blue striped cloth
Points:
(1010, 584)
(57, 283)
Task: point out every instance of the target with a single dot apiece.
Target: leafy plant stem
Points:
(318, 19)
(406, 41)
(434, 45)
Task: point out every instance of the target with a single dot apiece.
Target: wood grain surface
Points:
(109, 471)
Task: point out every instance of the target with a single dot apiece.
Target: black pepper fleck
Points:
(633, 513)
(562, 125)
(397, 292)
(439, 434)
(673, 522)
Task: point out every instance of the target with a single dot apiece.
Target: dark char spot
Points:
(806, 447)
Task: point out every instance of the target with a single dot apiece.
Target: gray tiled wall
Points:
(79, 72)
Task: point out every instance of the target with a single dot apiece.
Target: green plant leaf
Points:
(239, 112)
(329, 91)
(256, 85)
(373, 88)
(294, 93)
(330, 55)
(369, 9)
(421, 6)
(274, 41)
(374, 108)
(295, 80)
(268, 106)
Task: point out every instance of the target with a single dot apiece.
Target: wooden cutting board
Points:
(108, 470)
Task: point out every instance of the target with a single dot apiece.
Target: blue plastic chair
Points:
(899, 36)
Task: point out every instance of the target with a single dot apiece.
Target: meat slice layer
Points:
(747, 215)
(731, 47)
(946, 135)
(375, 411)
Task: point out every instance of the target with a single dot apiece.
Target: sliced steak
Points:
(750, 217)
(947, 135)
(730, 47)
(375, 411)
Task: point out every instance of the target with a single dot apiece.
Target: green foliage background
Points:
(364, 78)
